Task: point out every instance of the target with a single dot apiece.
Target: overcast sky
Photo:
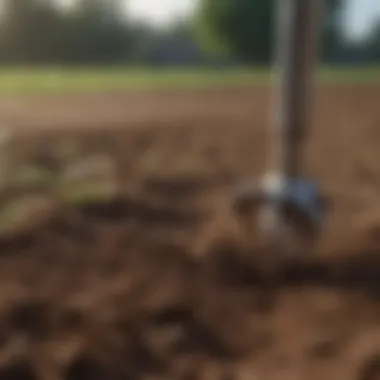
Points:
(160, 11)
(360, 15)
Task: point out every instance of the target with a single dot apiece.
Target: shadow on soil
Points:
(139, 211)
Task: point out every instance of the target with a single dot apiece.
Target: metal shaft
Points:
(296, 55)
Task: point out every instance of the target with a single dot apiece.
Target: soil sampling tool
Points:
(288, 206)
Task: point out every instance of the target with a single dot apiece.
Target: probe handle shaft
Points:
(296, 56)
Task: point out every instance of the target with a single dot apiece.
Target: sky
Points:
(160, 11)
(360, 15)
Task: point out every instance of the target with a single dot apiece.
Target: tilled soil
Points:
(164, 281)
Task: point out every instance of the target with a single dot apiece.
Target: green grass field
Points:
(71, 80)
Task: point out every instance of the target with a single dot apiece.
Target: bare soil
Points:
(164, 281)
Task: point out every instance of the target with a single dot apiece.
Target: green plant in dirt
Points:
(33, 177)
(92, 178)
(33, 193)
(26, 198)
(21, 214)
(86, 192)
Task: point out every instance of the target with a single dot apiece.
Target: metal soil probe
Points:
(289, 206)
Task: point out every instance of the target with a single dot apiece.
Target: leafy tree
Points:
(92, 31)
(29, 30)
(372, 44)
(97, 32)
(245, 28)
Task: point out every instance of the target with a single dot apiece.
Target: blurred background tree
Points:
(245, 28)
(102, 32)
(96, 32)
(30, 30)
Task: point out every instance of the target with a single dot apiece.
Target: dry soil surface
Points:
(164, 281)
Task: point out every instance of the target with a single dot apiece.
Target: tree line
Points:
(245, 29)
(38, 31)
(99, 32)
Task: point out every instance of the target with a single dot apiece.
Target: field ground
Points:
(55, 80)
(160, 280)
